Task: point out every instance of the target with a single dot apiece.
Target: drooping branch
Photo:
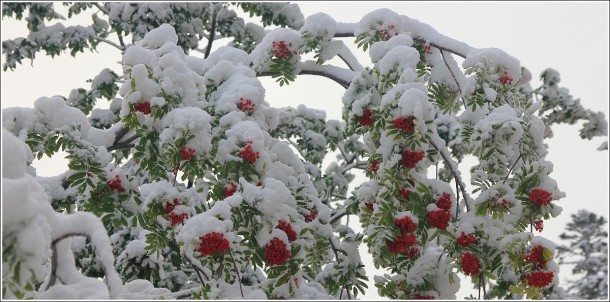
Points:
(350, 60)
(340, 75)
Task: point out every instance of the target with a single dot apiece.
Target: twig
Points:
(237, 271)
(512, 167)
(109, 42)
(453, 76)
(344, 84)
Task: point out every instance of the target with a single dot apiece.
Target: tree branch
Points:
(103, 9)
(237, 271)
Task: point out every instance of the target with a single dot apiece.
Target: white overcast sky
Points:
(571, 37)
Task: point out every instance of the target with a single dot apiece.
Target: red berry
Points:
(536, 257)
(405, 224)
(405, 124)
(539, 225)
(115, 184)
(287, 228)
(374, 166)
(143, 107)
(540, 197)
(411, 158)
(281, 51)
(230, 190)
(444, 202)
(246, 105)
(539, 279)
(470, 264)
(366, 118)
(186, 153)
(439, 219)
(248, 154)
(213, 242)
(276, 252)
(402, 243)
(466, 239)
(404, 193)
(313, 213)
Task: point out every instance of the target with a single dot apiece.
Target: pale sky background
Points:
(571, 37)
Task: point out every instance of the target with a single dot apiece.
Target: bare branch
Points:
(103, 9)
(453, 75)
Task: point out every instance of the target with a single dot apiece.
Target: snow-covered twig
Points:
(237, 271)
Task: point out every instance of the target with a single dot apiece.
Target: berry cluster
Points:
(374, 166)
(439, 219)
(248, 154)
(538, 225)
(230, 189)
(540, 197)
(313, 213)
(405, 224)
(115, 184)
(407, 239)
(466, 239)
(539, 279)
(186, 153)
(444, 202)
(428, 49)
(536, 257)
(386, 33)
(174, 218)
(287, 228)
(403, 243)
(367, 117)
(276, 252)
(143, 107)
(405, 124)
(211, 243)
(505, 79)
(282, 51)
(411, 158)
(470, 264)
(504, 203)
(404, 193)
(246, 105)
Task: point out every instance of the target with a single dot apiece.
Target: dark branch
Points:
(53, 276)
(208, 49)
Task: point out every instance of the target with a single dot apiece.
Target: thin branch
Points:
(338, 215)
(453, 76)
(109, 42)
(186, 293)
(237, 271)
(199, 270)
(512, 167)
(457, 177)
(124, 144)
(208, 49)
(348, 57)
